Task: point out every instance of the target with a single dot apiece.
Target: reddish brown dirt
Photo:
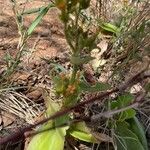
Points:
(47, 40)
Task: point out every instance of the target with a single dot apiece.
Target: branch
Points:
(110, 113)
(19, 134)
(94, 118)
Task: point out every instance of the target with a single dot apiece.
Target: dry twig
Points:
(19, 134)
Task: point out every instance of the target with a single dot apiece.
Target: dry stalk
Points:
(18, 135)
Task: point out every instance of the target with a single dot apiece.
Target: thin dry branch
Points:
(94, 118)
(19, 134)
(109, 114)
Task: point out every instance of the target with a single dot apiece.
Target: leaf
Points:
(77, 60)
(90, 42)
(51, 139)
(38, 19)
(83, 136)
(126, 139)
(125, 99)
(110, 27)
(31, 11)
(130, 113)
(59, 68)
(81, 126)
(122, 101)
(81, 132)
(137, 128)
(48, 140)
(61, 84)
(93, 88)
(71, 99)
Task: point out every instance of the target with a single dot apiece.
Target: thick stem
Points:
(67, 39)
(74, 72)
(76, 52)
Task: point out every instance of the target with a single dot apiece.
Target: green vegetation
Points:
(129, 38)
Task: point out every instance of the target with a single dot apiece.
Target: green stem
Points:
(77, 34)
(67, 38)
(74, 72)
(76, 52)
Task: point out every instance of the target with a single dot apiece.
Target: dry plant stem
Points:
(18, 135)
(109, 114)
(21, 44)
(94, 118)
(13, 88)
(32, 133)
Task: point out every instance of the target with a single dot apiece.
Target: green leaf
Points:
(93, 88)
(71, 99)
(90, 42)
(32, 11)
(56, 69)
(130, 113)
(81, 126)
(137, 128)
(110, 27)
(126, 139)
(77, 60)
(80, 131)
(122, 101)
(51, 106)
(125, 99)
(38, 19)
(60, 84)
(50, 139)
(83, 136)
(59, 68)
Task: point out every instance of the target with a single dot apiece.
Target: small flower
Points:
(61, 4)
(71, 89)
(63, 76)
